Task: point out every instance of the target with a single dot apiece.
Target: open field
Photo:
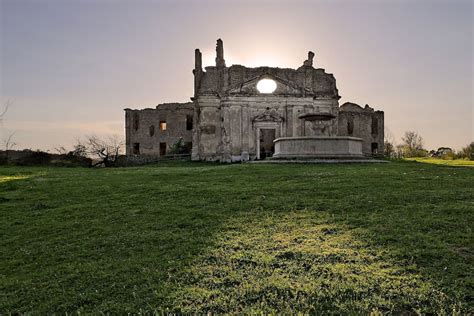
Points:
(237, 238)
(438, 161)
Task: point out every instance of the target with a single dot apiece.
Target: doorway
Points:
(267, 147)
(162, 149)
(375, 148)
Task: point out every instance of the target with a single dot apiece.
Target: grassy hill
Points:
(237, 238)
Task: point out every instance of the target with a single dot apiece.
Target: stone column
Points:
(220, 62)
(246, 132)
(195, 155)
(226, 134)
(197, 71)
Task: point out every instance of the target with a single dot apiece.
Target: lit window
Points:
(266, 86)
(162, 125)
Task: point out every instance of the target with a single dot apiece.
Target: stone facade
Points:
(234, 120)
(153, 131)
(365, 123)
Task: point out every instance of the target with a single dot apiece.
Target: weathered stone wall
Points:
(364, 123)
(310, 81)
(229, 127)
(230, 115)
(142, 127)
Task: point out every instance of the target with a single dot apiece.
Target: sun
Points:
(266, 86)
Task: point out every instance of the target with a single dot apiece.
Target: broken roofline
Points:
(169, 106)
(220, 61)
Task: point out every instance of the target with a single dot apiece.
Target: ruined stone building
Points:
(239, 113)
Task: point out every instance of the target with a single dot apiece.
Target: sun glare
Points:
(266, 86)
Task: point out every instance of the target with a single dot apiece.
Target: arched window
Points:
(350, 126)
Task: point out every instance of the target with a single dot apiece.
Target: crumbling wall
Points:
(228, 113)
(219, 79)
(231, 112)
(144, 133)
(314, 82)
(364, 123)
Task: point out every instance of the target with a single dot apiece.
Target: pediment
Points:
(268, 116)
(249, 87)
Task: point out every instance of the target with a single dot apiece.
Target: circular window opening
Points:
(266, 86)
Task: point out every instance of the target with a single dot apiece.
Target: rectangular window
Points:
(375, 126)
(136, 148)
(136, 121)
(162, 149)
(189, 122)
(162, 125)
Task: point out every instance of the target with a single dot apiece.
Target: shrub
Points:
(467, 152)
(448, 156)
(178, 148)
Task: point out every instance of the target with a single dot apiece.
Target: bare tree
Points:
(105, 149)
(4, 110)
(79, 150)
(389, 143)
(8, 143)
(61, 150)
(413, 145)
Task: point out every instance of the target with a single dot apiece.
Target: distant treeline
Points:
(29, 157)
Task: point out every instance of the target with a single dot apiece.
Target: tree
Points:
(8, 144)
(467, 152)
(178, 147)
(106, 149)
(399, 151)
(389, 143)
(413, 145)
(8, 141)
(79, 151)
(4, 111)
(389, 149)
(61, 150)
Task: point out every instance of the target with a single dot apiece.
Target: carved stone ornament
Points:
(268, 116)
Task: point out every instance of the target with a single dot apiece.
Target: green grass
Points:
(192, 237)
(438, 161)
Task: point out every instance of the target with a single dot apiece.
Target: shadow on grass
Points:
(240, 238)
(295, 261)
(104, 240)
(350, 239)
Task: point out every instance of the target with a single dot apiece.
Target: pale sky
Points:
(71, 66)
